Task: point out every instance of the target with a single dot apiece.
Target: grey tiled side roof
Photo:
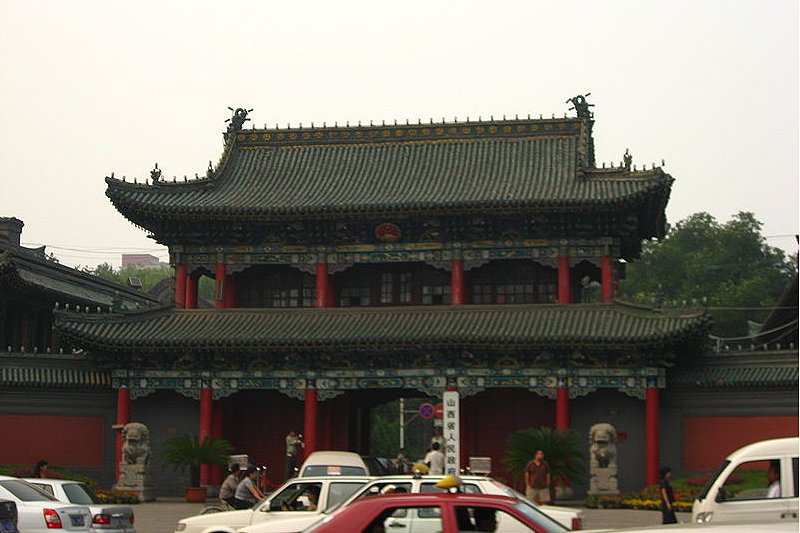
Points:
(589, 325)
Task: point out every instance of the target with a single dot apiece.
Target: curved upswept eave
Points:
(612, 325)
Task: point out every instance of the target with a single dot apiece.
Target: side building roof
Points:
(28, 270)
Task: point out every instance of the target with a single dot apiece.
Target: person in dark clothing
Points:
(667, 497)
(41, 469)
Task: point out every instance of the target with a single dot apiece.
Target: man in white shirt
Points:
(774, 479)
(434, 460)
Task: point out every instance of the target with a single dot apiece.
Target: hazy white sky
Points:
(93, 87)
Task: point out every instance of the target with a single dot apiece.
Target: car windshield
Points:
(711, 479)
(546, 523)
(80, 493)
(333, 470)
(25, 492)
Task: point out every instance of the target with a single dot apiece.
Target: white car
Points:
(567, 517)
(291, 502)
(106, 518)
(38, 512)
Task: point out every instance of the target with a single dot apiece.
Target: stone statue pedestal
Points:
(133, 480)
(604, 481)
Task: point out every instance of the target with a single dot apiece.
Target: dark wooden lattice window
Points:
(354, 297)
(513, 282)
(274, 287)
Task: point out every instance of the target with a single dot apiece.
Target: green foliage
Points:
(730, 265)
(187, 452)
(385, 436)
(561, 451)
(148, 276)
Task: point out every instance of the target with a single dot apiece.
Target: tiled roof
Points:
(741, 371)
(51, 371)
(526, 165)
(505, 326)
(28, 269)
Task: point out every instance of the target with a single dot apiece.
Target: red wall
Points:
(707, 440)
(488, 418)
(73, 441)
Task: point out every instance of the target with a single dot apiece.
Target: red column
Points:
(191, 292)
(457, 281)
(607, 278)
(216, 432)
(564, 290)
(204, 429)
(230, 291)
(323, 286)
(651, 436)
(562, 407)
(310, 429)
(123, 417)
(219, 286)
(180, 286)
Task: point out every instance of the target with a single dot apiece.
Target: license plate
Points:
(77, 521)
(7, 526)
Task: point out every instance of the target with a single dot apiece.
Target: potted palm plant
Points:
(561, 451)
(187, 452)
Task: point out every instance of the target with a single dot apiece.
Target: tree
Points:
(561, 451)
(728, 267)
(148, 276)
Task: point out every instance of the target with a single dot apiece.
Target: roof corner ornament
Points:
(580, 105)
(210, 170)
(155, 174)
(237, 120)
(627, 159)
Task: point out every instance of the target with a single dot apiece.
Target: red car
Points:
(436, 512)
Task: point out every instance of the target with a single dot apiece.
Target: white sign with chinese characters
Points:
(452, 452)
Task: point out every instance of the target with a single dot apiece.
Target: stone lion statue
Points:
(135, 444)
(602, 445)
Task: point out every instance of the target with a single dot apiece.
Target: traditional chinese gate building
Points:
(355, 265)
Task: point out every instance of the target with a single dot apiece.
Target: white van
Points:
(772, 470)
(333, 463)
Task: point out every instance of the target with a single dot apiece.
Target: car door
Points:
(789, 482)
(744, 495)
(291, 502)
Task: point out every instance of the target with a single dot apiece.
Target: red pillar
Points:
(323, 286)
(564, 290)
(457, 281)
(204, 429)
(216, 432)
(651, 436)
(191, 292)
(607, 278)
(310, 429)
(229, 299)
(562, 408)
(219, 286)
(180, 286)
(123, 417)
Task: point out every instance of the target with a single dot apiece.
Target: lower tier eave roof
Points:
(612, 326)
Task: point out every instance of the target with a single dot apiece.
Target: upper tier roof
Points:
(522, 165)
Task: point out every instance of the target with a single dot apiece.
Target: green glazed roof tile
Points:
(591, 325)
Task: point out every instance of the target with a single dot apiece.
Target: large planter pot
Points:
(196, 494)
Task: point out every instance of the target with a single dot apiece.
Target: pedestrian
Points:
(537, 479)
(40, 470)
(247, 493)
(667, 497)
(294, 443)
(434, 460)
(401, 462)
(227, 490)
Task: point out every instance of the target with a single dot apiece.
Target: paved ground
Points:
(162, 515)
